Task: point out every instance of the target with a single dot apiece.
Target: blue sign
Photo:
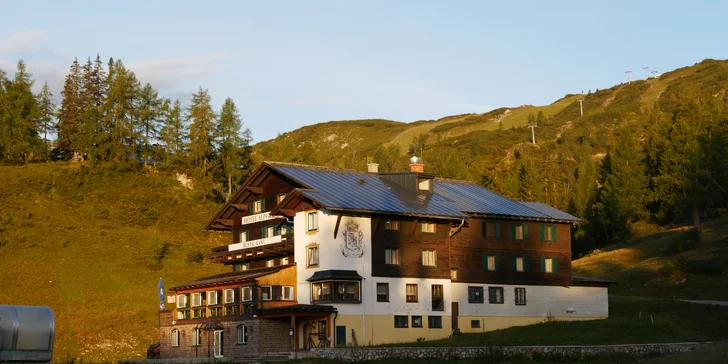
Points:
(160, 289)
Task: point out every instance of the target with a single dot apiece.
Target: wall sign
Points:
(252, 219)
(255, 243)
(353, 244)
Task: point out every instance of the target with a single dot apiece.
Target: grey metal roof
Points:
(550, 211)
(325, 275)
(341, 189)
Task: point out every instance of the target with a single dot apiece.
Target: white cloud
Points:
(21, 41)
(167, 73)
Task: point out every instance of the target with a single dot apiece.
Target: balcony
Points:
(279, 245)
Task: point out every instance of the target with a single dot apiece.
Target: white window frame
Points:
(196, 337)
(257, 206)
(284, 260)
(548, 233)
(491, 263)
(516, 299)
(519, 264)
(175, 338)
(453, 273)
(312, 224)
(231, 296)
(249, 289)
(182, 301)
(548, 265)
(391, 256)
(270, 293)
(428, 227)
(407, 286)
(424, 184)
(283, 229)
(429, 257)
(270, 263)
(198, 296)
(309, 255)
(210, 295)
(281, 197)
(270, 231)
(288, 293)
(519, 232)
(243, 236)
(241, 333)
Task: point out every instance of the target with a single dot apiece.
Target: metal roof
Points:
(229, 278)
(337, 274)
(342, 189)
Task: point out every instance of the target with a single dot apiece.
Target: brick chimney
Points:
(416, 165)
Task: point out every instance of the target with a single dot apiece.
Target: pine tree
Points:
(149, 113)
(20, 121)
(69, 114)
(234, 144)
(173, 132)
(121, 115)
(93, 96)
(201, 118)
(47, 114)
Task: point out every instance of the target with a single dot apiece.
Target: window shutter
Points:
(485, 262)
(251, 207)
(513, 230)
(497, 262)
(525, 231)
(484, 227)
(515, 263)
(497, 230)
(542, 232)
(525, 263)
(262, 205)
(553, 232)
(556, 264)
(262, 232)
(543, 265)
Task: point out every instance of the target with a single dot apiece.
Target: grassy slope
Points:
(84, 243)
(666, 264)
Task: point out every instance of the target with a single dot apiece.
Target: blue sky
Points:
(292, 63)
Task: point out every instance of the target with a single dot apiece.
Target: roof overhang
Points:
(335, 275)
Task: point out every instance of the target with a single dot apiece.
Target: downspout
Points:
(333, 345)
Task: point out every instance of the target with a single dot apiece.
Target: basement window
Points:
(400, 321)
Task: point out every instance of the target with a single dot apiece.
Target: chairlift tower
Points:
(628, 73)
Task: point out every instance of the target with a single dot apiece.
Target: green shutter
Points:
(553, 230)
(543, 264)
(497, 229)
(485, 262)
(525, 263)
(542, 232)
(513, 230)
(515, 264)
(556, 264)
(262, 204)
(497, 263)
(250, 207)
(525, 231)
(262, 232)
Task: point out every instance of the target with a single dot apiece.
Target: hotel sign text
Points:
(252, 219)
(255, 243)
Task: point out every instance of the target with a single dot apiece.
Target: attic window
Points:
(423, 184)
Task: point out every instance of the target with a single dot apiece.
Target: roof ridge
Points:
(465, 182)
(310, 166)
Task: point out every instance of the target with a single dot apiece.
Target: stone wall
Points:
(565, 353)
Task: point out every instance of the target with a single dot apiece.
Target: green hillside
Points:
(92, 244)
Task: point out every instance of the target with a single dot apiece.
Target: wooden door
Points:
(341, 336)
(455, 313)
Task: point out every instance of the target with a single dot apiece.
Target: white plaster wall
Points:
(540, 301)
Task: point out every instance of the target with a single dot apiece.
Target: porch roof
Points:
(228, 278)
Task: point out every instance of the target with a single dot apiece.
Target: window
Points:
(284, 229)
(400, 321)
(335, 291)
(495, 294)
(268, 231)
(197, 337)
(492, 263)
(270, 263)
(284, 260)
(520, 296)
(266, 293)
(239, 267)
(181, 300)
(391, 256)
(474, 324)
(243, 236)
(549, 265)
(280, 197)
(247, 293)
(475, 295)
(288, 293)
(548, 233)
(427, 227)
(438, 302)
(492, 229)
(519, 231)
(434, 322)
(382, 292)
(518, 264)
(257, 206)
(277, 293)
(313, 256)
(411, 293)
(312, 221)
(416, 321)
(196, 299)
(391, 225)
(423, 184)
(242, 334)
(175, 338)
(453, 274)
(229, 295)
(212, 298)
(429, 257)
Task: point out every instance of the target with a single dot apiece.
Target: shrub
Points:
(668, 269)
(195, 256)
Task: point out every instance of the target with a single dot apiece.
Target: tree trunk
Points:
(696, 224)
(230, 186)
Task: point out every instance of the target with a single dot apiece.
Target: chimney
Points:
(373, 167)
(416, 165)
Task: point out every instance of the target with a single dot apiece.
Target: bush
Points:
(195, 256)
(707, 267)
(668, 269)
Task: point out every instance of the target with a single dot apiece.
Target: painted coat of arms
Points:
(353, 245)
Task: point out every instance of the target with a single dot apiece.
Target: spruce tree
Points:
(234, 145)
(173, 131)
(47, 114)
(69, 114)
(121, 115)
(93, 95)
(201, 119)
(20, 121)
(149, 114)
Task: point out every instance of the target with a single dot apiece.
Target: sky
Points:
(288, 64)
